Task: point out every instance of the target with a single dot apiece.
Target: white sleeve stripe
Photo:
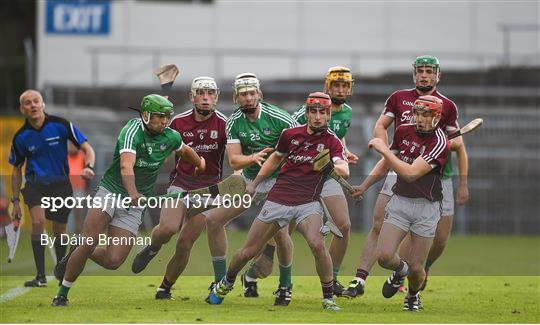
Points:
(233, 141)
(439, 147)
(389, 114)
(281, 154)
(436, 151)
(231, 120)
(130, 134)
(127, 150)
(73, 133)
(181, 146)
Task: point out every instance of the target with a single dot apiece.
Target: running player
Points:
(418, 153)
(203, 129)
(339, 85)
(297, 147)
(42, 142)
(142, 146)
(253, 131)
(426, 75)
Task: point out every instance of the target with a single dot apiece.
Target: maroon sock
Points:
(362, 274)
(327, 289)
(165, 284)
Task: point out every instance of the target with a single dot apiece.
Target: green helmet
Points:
(156, 104)
(428, 60)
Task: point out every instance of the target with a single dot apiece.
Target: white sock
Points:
(67, 284)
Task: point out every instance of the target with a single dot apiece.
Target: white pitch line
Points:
(18, 291)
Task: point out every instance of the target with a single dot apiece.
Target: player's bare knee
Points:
(384, 258)
(247, 253)
(185, 244)
(416, 269)
(317, 246)
(345, 228)
(115, 262)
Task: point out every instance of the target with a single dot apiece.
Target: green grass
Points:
(114, 299)
(479, 279)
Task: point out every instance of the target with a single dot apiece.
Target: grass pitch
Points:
(479, 279)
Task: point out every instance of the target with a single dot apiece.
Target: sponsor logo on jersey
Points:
(406, 116)
(407, 103)
(187, 134)
(299, 159)
(32, 149)
(162, 147)
(205, 147)
(213, 134)
(295, 142)
(266, 131)
(320, 147)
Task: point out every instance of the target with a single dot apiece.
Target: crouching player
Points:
(418, 153)
(298, 147)
(142, 146)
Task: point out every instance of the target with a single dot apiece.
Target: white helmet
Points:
(203, 83)
(246, 82)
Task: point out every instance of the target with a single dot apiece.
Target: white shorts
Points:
(192, 200)
(331, 188)
(129, 219)
(261, 192)
(448, 197)
(389, 181)
(283, 214)
(447, 192)
(417, 215)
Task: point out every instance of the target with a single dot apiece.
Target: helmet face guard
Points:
(431, 104)
(204, 83)
(314, 103)
(246, 82)
(338, 73)
(427, 61)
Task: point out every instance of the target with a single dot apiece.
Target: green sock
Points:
(63, 291)
(335, 271)
(285, 278)
(251, 273)
(220, 267)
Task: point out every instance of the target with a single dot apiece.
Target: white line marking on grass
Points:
(18, 291)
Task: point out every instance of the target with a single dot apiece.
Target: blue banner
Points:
(90, 17)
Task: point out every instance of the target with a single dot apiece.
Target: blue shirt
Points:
(45, 149)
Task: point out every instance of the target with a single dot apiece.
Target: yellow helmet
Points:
(338, 73)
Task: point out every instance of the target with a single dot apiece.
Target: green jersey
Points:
(339, 122)
(264, 132)
(448, 170)
(150, 152)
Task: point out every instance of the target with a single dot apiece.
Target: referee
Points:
(42, 143)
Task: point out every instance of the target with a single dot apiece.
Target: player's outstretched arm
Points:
(189, 155)
(381, 127)
(266, 170)
(342, 168)
(238, 160)
(127, 161)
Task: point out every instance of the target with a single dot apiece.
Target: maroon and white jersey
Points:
(297, 183)
(434, 148)
(398, 106)
(208, 139)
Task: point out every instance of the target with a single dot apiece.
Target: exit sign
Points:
(90, 17)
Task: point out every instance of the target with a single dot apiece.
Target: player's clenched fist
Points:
(377, 144)
(201, 167)
(358, 193)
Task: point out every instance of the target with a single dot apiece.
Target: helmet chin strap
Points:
(204, 112)
(319, 129)
(338, 101)
(424, 89)
(248, 110)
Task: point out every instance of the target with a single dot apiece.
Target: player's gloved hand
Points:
(202, 166)
(351, 157)
(260, 157)
(462, 194)
(358, 192)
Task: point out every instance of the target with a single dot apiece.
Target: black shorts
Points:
(33, 192)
